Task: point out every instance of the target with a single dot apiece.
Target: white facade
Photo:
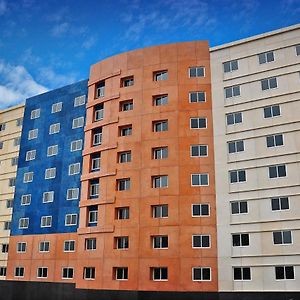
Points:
(260, 221)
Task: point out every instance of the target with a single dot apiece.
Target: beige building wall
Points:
(262, 255)
(10, 134)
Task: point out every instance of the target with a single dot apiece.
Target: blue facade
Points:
(36, 208)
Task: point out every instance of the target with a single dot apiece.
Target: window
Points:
(78, 101)
(35, 113)
(232, 91)
(56, 107)
(237, 176)
(78, 122)
(160, 153)
(72, 193)
(52, 150)
(160, 100)
(23, 223)
(1, 145)
(200, 210)
(100, 89)
(3, 271)
(274, 140)
(127, 81)
(2, 126)
(74, 169)
(54, 128)
(71, 219)
(271, 111)
(9, 203)
(199, 179)
(124, 157)
(241, 273)
(11, 182)
(76, 145)
(230, 66)
(14, 161)
(277, 171)
(297, 50)
(239, 207)
(198, 123)
(160, 181)
(19, 271)
(280, 203)
(196, 71)
(121, 273)
(69, 246)
(30, 155)
(197, 97)
(200, 241)
(48, 197)
(236, 146)
(199, 150)
(122, 242)
(32, 134)
(122, 213)
(17, 141)
(97, 137)
(89, 273)
(46, 221)
(19, 122)
(284, 272)
(4, 248)
(42, 272)
(125, 130)
(50, 173)
(201, 274)
(266, 57)
(269, 83)
(95, 162)
(160, 211)
(282, 237)
(21, 247)
(44, 246)
(26, 199)
(94, 188)
(28, 177)
(123, 184)
(234, 118)
(7, 225)
(67, 273)
(93, 215)
(160, 75)
(241, 239)
(159, 126)
(159, 273)
(90, 244)
(126, 105)
(99, 112)
(160, 242)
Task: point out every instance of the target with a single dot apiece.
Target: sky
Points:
(48, 44)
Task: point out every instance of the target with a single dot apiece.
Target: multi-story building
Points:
(45, 211)
(10, 132)
(256, 105)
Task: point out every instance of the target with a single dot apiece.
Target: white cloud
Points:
(17, 85)
(3, 7)
(59, 30)
(48, 75)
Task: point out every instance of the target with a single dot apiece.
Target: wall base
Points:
(28, 290)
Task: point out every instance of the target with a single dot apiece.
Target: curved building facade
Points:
(147, 209)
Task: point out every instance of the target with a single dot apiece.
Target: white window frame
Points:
(46, 219)
(26, 196)
(200, 176)
(198, 97)
(21, 244)
(201, 237)
(54, 128)
(56, 107)
(51, 197)
(35, 113)
(70, 216)
(19, 268)
(76, 145)
(30, 155)
(50, 175)
(33, 134)
(78, 122)
(160, 177)
(201, 215)
(199, 146)
(23, 220)
(42, 269)
(28, 177)
(44, 243)
(197, 69)
(201, 268)
(198, 123)
(80, 100)
(69, 243)
(74, 169)
(52, 150)
(68, 269)
(72, 191)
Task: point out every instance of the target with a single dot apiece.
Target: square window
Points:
(28, 177)
(160, 153)
(160, 211)
(201, 274)
(160, 181)
(32, 134)
(99, 112)
(19, 122)
(237, 176)
(35, 113)
(160, 100)
(67, 273)
(74, 169)
(241, 273)
(195, 97)
(91, 244)
(30, 155)
(19, 271)
(23, 223)
(159, 126)
(80, 100)
(199, 150)
(54, 128)
(7, 225)
(123, 184)
(46, 221)
(269, 83)
(201, 241)
(26, 199)
(50, 173)
(282, 237)
(72, 193)
(127, 81)
(274, 140)
(97, 137)
(122, 242)
(200, 179)
(240, 240)
(76, 145)
(9, 203)
(78, 122)
(56, 107)
(125, 130)
(71, 219)
(280, 203)
(124, 157)
(230, 66)
(160, 75)
(121, 273)
(100, 89)
(159, 273)
(198, 123)
(21, 247)
(160, 242)
(232, 91)
(236, 146)
(69, 246)
(196, 72)
(42, 272)
(239, 207)
(122, 213)
(200, 210)
(266, 57)
(48, 197)
(52, 150)
(277, 171)
(44, 246)
(95, 162)
(89, 273)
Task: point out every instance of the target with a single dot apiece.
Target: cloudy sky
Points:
(48, 44)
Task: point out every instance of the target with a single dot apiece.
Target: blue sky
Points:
(48, 44)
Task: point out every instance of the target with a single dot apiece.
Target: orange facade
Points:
(139, 71)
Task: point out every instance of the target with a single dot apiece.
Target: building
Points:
(45, 211)
(256, 100)
(10, 132)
